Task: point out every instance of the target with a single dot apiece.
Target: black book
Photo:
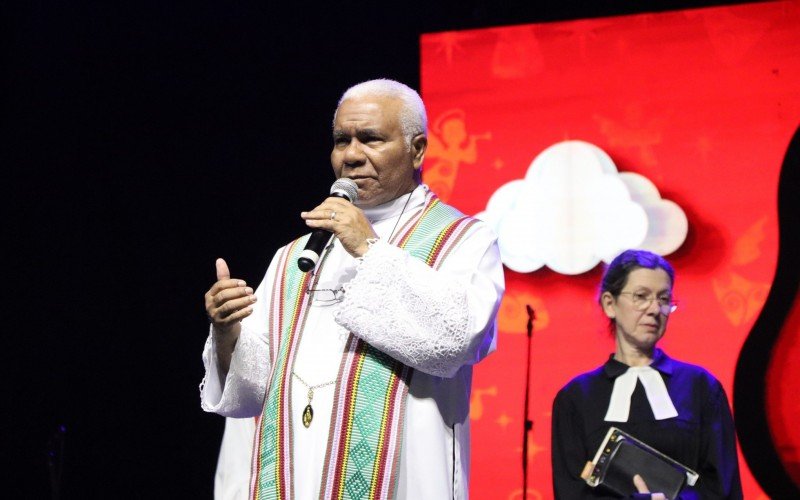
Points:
(621, 456)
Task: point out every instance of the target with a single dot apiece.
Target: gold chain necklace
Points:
(308, 412)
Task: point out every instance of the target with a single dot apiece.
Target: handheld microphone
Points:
(342, 188)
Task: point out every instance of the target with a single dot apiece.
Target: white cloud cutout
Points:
(668, 225)
(574, 209)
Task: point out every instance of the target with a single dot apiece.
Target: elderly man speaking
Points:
(360, 369)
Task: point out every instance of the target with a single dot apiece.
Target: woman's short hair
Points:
(616, 275)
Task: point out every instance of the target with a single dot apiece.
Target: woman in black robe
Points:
(677, 408)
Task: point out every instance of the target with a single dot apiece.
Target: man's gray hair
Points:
(413, 118)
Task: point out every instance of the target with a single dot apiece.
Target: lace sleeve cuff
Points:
(415, 314)
(240, 394)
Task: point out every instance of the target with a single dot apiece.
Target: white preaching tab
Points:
(620, 405)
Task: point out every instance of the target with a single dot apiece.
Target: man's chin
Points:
(369, 201)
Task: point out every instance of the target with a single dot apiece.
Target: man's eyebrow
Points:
(368, 131)
(362, 132)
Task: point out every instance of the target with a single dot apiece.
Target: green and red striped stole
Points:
(287, 312)
(362, 457)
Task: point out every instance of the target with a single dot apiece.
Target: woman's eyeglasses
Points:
(642, 301)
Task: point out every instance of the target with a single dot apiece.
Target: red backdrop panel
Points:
(701, 102)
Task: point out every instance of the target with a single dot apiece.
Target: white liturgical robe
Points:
(439, 322)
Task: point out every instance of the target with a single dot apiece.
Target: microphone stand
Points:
(528, 423)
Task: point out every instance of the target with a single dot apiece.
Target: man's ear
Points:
(607, 301)
(419, 144)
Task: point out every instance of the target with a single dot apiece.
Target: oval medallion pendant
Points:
(308, 416)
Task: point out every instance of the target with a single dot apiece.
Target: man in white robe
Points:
(232, 477)
(438, 321)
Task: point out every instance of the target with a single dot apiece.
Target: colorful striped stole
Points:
(362, 457)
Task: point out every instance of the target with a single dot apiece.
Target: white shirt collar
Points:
(394, 208)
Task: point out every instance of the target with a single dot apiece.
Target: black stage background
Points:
(141, 141)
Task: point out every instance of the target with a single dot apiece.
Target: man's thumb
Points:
(223, 273)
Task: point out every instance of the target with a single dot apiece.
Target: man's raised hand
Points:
(228, 301)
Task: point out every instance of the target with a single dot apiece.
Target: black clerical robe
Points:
(702, 436)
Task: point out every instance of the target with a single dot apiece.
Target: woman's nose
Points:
(653, 307)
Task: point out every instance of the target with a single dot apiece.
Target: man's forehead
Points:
(367, 112)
